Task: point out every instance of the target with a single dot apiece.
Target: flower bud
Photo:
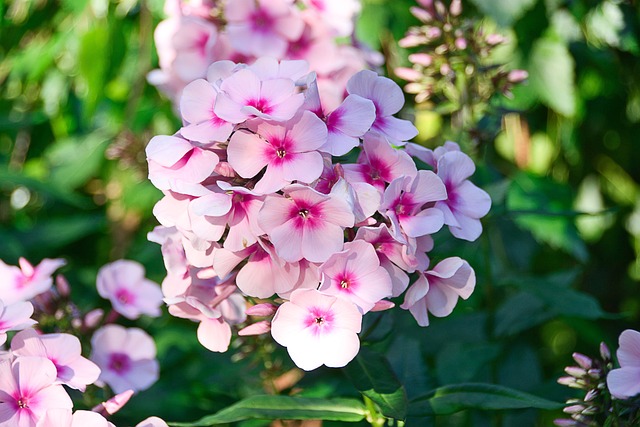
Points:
(92, 319)
(582, 360)
(573, 409)
(461, 43)
(455, 9)
(604, 352)
(62, 286)
(261, 310)
(494, 39)
(408, 73)
(421, 14)
(421, 59)
(257, 328)
(517, 76)
(575, 372)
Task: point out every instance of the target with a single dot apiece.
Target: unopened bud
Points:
(563, 422)
(455, 9)
(582, 360)
(114, 404)
(432, 32)
(257, 328)
(445, 69)
(494, 39)
(575, 372)
(604, 352)
(461, 43)
(62, 286)
(421, 59)
(92, 319)
(408, 74)
(421, 14)
(574, 409)
(591, 395)
(383, 305)
(261, 310)
(517, 76)
(440, 8)
(412, 40)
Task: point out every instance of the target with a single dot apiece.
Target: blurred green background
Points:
(558, 265)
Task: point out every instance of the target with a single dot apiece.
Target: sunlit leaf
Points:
(504, 12)
(453, 398)
(284, 407)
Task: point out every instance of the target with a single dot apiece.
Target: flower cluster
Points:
(452, 62)
(36, 365)
(198, 33)
(261, 200)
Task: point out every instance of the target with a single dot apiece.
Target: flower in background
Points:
(317, 329)
(126, 357)
(65, 418)
(64, 351)
(152, 422)
(28, 388)
(131, 294)
(624, 382)
(14, 317)
(24, 283)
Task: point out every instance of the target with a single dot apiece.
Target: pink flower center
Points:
(201, 44)
(124, 296)
(320, 320)
(344, 283)
(304, 213)
(261, 21)
(261, 105)
(281, 152)
(119, 363)
(23, 402)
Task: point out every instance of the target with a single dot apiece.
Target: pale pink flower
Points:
(437, 291)
(131, 294)
(126, 357)
(268, 68)
(14, 317)
(388, 99)
(355, 274)
(196, 108)
(175, 162)
(379, 163)
(245, 95)
(404, 204)
(152, 422)
(63, 350)
(340, 15)
(395, 256)
(27, 390)
(624, 382)
(317, 329)
(114, 404)
(233, 207)
(24, 283)
(262, 27)
(289, 152)
(305, 224)
(64, 418)
(465, 203)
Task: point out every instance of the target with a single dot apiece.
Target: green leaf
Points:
(74, 161)
(371, 373)
(11, 179)
(284, 408)
(544, 207)
(92, 63)
(519, 313)
(454, 398)
(504, 12)
(461, 362)
(551, 73)
(57, 232)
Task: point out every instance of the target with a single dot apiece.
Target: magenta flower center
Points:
(281, 152)
(23, 402)
(124, 296)
(320, 320)
(201, 44)
(261, 21)
(119, 362)
(304, 213)
(344, 283)
(260, 104)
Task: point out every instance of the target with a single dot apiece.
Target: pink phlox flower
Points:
(379, 163)
(175, 163)
(173, 255)
(337, 14)
(395, 256)
(305, 223)
(28, 389)
(289, 152)
(404, 204)
(186, 46)
(63, 350)
(123, 283)
(269, 68)
(316, 45)
(437, 291)
(317, 329)
(197, 110)
(465, 203)
(346, 124)
(355, 274)
(363, 198)
(244, 95)
(27, 281)
(152, 422)
(624, 382)
(262, 27)
(388, 99)
(126, 357)
(14, 317)
(233, 207)
(58, 417)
